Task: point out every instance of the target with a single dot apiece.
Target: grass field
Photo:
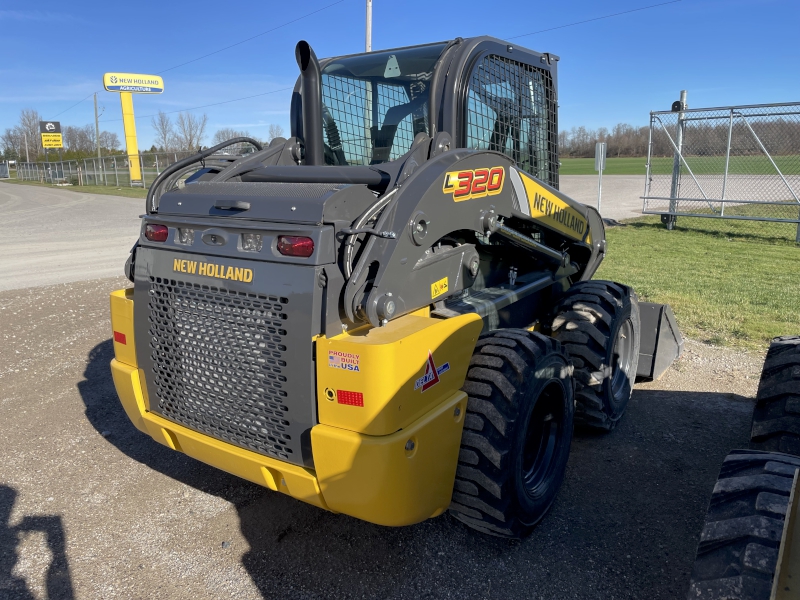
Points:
(700, 165)
(732, 288)
(127, 192)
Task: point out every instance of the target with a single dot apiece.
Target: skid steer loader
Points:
(390, 313)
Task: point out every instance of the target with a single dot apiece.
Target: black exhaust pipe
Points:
(311, 89)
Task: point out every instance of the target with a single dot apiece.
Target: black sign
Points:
(49, 127)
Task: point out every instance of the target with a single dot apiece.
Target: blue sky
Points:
(612, 70)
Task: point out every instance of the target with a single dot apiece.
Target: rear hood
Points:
(306, 203)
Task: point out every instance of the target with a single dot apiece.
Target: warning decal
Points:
(432, 374)
(439, 287)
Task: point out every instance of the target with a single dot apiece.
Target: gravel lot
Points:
(91, 508)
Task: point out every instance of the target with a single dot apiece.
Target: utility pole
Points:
(97, 134)
(27, 156)
(369, 26)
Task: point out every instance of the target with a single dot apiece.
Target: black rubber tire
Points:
(738, 548)
(520, 390)
(588, 322)
(776, 418)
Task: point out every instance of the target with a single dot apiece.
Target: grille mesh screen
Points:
(511, 108)
(218, 363)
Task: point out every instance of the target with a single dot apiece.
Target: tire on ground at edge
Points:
(738, 549)
(511, 373)
(776, 418)
(587, 322)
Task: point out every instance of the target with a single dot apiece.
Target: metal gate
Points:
(734, 162)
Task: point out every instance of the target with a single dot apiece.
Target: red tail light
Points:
(295, 245)
(156, 233)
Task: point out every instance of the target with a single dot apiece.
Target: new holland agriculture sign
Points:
(133, 82)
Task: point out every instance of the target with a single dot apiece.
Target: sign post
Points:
(599, 166)
(128, 84)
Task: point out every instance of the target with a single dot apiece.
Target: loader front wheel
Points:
(598, 323)
(517, 432)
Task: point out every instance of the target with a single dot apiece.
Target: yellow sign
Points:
(552, 211)
(52, 140)
(439, 287)
(133, 82)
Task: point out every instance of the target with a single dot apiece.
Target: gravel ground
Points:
(91, 508)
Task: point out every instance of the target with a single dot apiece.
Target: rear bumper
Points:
(382, 479)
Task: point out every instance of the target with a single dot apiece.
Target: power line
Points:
(206, 105)
(74, 105)
(221, 50)
(625, 12)
(250, 38)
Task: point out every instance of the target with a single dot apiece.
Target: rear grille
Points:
(218, 363)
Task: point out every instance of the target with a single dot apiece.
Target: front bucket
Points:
(661, 341)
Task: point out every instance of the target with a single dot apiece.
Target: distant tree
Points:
(29, 124)
(109, 140)
(275, 131)
(191, 130)
(165, 132)
(227, 133)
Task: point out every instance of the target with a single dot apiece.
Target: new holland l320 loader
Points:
(391, 313)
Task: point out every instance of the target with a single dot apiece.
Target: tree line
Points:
(187, 132)
(622, 140)
(23, 141)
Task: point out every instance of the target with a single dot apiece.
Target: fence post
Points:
(727, 165)
(671, 219)
(141, 164)
(116, 173)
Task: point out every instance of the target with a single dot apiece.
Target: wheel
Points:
(517, 432)
(738, 549)
(598, 323)
(776, 418)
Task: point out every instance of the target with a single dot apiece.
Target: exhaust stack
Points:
(311, 89)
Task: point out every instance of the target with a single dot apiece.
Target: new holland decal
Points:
(194, 267)
(552, 211)
(477, 183)
(432, 374)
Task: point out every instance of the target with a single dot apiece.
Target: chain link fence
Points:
(105, 171)
(734, 163)
(5, 170)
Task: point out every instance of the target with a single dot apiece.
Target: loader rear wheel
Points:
(517, 432)
(776, 418)
(598, 323)
(738, 550)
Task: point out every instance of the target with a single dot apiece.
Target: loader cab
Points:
(487, 94)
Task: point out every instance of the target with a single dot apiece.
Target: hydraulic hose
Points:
(371, 213)
(155, 191)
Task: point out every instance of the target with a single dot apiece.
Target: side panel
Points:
(379, 380)
(400, 479)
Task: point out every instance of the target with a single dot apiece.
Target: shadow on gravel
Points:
(58, 583)
(624, 525)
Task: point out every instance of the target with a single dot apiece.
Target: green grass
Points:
(127, 192)
(731, 288)
(700, 165)
(614, 166)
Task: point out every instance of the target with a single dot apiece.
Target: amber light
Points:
(295, 245)
(156, 233)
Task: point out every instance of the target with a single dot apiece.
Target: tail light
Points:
(156, 233)
(295, 245)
